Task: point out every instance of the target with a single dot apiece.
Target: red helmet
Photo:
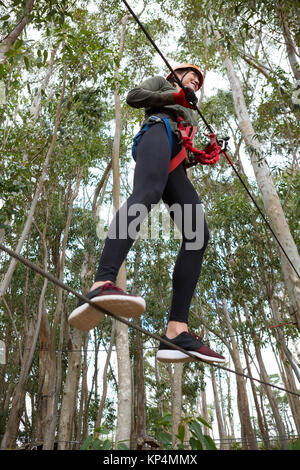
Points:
(188, 66)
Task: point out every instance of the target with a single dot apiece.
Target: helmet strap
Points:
(185, 73)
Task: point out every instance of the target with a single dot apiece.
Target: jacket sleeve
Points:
(149, 94)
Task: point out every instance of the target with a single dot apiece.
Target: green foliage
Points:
(294, 445)
(198, 441)
(95, 443)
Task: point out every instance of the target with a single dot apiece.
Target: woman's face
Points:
(190, 80)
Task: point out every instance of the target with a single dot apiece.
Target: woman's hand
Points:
(185, 97)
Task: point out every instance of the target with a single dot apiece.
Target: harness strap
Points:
(179, 157)
(175, 161)
(208, 156)
(152, 120)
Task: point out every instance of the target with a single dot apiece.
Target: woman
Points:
(159, 174)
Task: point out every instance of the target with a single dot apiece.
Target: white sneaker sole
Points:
(86, 317)
(169, 355)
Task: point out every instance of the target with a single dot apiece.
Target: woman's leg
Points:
(188, 214)
(180, 191)
(151, 174)
(150, 177)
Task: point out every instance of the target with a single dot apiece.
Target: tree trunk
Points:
(263, 430)
(11, 38)
(264, 376)
(221, 427)
(248, 437)
(229, 408)
(269, 195)
(176, 401)
(204, 411)
(289, 43)
(69, 399)
(271, 397)
(104, 377)
(123, 430)
(139, 398)
(82, 432)
(289, 383)
(158, 381)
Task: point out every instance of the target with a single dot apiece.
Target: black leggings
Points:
(152, 182)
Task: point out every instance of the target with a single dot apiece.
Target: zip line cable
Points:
(60, 284)
(211, 130)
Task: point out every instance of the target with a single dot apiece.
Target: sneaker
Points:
(191, 343)
(112, 299)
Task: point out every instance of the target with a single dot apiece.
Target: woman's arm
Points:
(153, 92)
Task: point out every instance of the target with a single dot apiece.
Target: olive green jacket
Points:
(156, 96)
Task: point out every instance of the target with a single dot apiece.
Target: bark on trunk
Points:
(263, 430)
(158, 381)
(104, 377)
(289, 43)
(229, 408)
(69, 399)
(290, 384)
(82, 431)
(176, 401)
(221, 427)
(281, 339)
(11, 38)
(269, 195)
(271, 397)
(248, 437)
(204, 411)
(123, 430)
(139, 398)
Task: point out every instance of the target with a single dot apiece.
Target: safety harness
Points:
(208, 156)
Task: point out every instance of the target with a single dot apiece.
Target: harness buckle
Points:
(155, 119)
(223, 142)
(179, 136)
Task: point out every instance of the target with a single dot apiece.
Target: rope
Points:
(211, 130)
(60, 284)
